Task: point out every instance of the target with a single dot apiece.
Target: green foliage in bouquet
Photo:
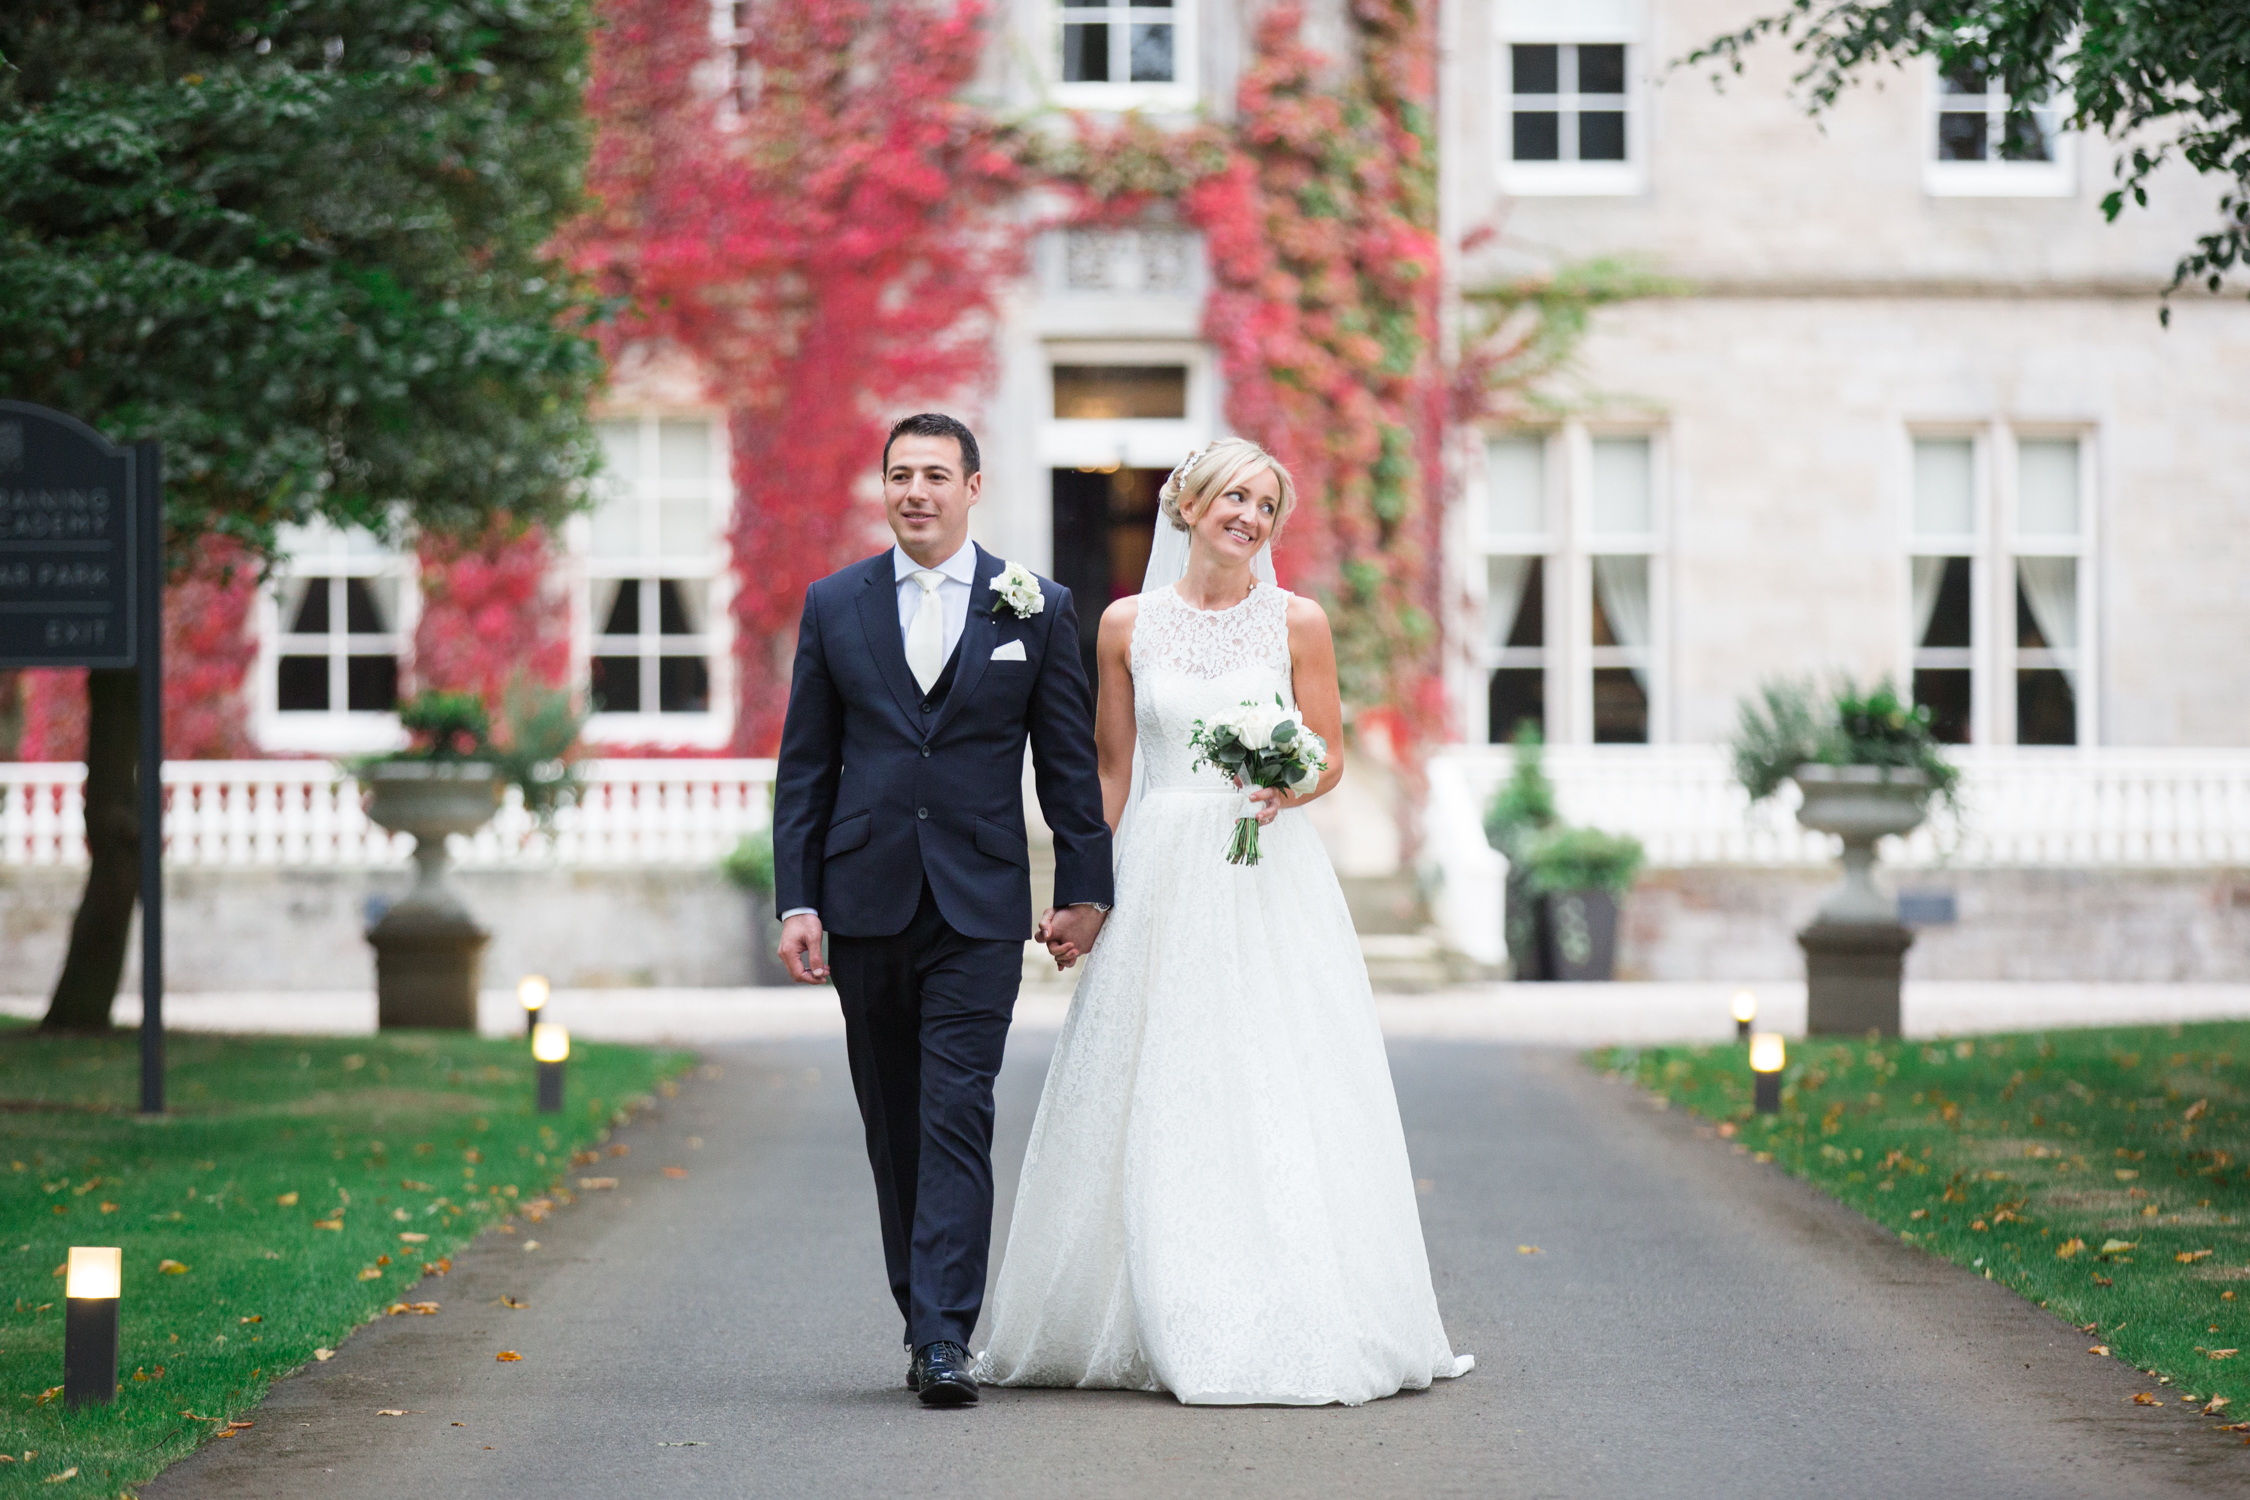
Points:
(1525, 802)
(1582, 859)
(749, 865)
(1794, 722)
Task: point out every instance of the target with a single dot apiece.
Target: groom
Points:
(898, 831)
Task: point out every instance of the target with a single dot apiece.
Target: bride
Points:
(1216, 1200)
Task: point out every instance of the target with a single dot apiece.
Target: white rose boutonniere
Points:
(1016, 590)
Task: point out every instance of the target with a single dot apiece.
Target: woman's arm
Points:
(1113, 707)
(1312, 677)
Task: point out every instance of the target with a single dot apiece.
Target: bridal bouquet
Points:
(1259, 746)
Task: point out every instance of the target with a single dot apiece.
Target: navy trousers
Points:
(926, 1017)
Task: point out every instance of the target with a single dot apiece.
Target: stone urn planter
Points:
(1855, 949)
(429, 951)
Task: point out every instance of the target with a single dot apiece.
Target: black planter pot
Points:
(1578, 935)
(1520, 924)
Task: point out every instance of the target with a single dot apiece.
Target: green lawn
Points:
(2100, 1173)
(300, 1187)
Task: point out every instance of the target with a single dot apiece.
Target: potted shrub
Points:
(1866, 763)
(450, 779)
(749, 868)
(1580, 876)
(1522, 809)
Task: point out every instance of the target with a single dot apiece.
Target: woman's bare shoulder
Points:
(1119, 617)
(1307, 620)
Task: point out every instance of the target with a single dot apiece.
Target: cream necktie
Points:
(925, 637)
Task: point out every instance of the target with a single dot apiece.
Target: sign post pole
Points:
(148, 624)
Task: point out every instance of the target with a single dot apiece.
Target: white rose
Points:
(1307, 778)
(1253, 725)
(1314, 749)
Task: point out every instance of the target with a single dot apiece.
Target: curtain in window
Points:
(1504, 595)
(1622, 583)
(2050, 587)
(602, 598)
(1929, 581)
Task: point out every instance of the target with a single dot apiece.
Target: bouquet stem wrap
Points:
(1258, 746)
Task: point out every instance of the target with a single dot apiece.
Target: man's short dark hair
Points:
(935, 424)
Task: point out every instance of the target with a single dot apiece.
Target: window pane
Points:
(679, 606)
(303, 685)
(1964, 77)
(1086, 54)
(1620, 707)
(621, 449)
(2027, 136)
(683, 685)
(1601, 135)
(1623, 505)
(312, 609)
(1097, 393)
(1516, 476)
(1152, 54)
(1534, 70)
(1960, 137)
(1516, 695)
(625, 612)
(2047, 487)
(371, 684)
(683, 450)
(1601, 70)
(1945, 487)
(1515, 601)
(2047, 603)
(1947, 616)
(2046, 708)
(1538, 136)
(617, 528)
(614, 683)
(1945, 693)
(683, 527)
(367, 605)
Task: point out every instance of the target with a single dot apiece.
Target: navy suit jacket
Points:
(876, 792)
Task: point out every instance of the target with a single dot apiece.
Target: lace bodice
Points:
(1191, 664)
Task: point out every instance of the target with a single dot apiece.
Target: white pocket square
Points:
(1009, 651)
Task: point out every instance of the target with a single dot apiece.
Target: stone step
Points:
(1405, 963)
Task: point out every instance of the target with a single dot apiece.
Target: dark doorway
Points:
(1103, 523)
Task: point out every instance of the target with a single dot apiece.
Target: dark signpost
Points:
(81, 585)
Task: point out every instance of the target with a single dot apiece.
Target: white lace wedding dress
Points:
(1216, 1200)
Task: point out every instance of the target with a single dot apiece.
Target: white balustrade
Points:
(670, 813)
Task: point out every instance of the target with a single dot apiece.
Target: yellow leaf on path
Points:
(531, 1244)
(413, 1238)
(675, 1171)
(390, 1411)
(2143, 1398)
(2113, 1247)
(2069, 1248)
(508, 1301)
(171, 1268)
(508, 1357)
(287, 1200)
(595, 1184)
(324, 1355)
(2217, 1402)
(2099, 1349)
(1529, 1250)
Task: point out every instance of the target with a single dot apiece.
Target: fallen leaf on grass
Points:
(370, 1273)
(328, 1223)
(69, 1473)
(109, 1208)
(170, 1268)
(1919, 1213)
(675, 1171)
(408, 1184)
(255, 1318)
(287, 1200)
(2101, 1280)
(2126, 1174)
(2115, 1247)
(595, 1184)
(508, 1357)
(2217, 1402)
(508, 1301)
(2190, 1257)
(2195, 1110)
(47, 1395)
(2222, 1353)
(441, 1265)
(324, 1354)
(2143, 1398)
(2069, 1248)
(412, 1238)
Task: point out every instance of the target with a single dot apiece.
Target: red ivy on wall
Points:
(830, 254)
(491, 613)
(208, 652)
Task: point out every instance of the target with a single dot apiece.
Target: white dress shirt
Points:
(960, 572)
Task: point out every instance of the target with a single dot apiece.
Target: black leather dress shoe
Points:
(944, 1375)
(913, 1373)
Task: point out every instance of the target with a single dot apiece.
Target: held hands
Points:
(1069, 933)
(800, 949)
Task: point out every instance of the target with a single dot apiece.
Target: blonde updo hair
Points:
(1211, 472)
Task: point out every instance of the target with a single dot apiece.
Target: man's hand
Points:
(800, 949)
(1069, 933)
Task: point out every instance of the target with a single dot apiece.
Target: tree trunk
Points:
(98, 934)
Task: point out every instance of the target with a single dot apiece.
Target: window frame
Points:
(712, 727)
(1571, 178)
(1996, 541)
(1568, 544)
(337, 729)
(1179, 94)
(1992, 177)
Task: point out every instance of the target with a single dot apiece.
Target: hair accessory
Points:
(1178, 476)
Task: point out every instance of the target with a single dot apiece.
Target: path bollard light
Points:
(550, 1047)
(1745, 1010)
(90, 1326)
(1768, 1054)
(531, 993)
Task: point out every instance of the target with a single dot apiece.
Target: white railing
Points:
(673, 813)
